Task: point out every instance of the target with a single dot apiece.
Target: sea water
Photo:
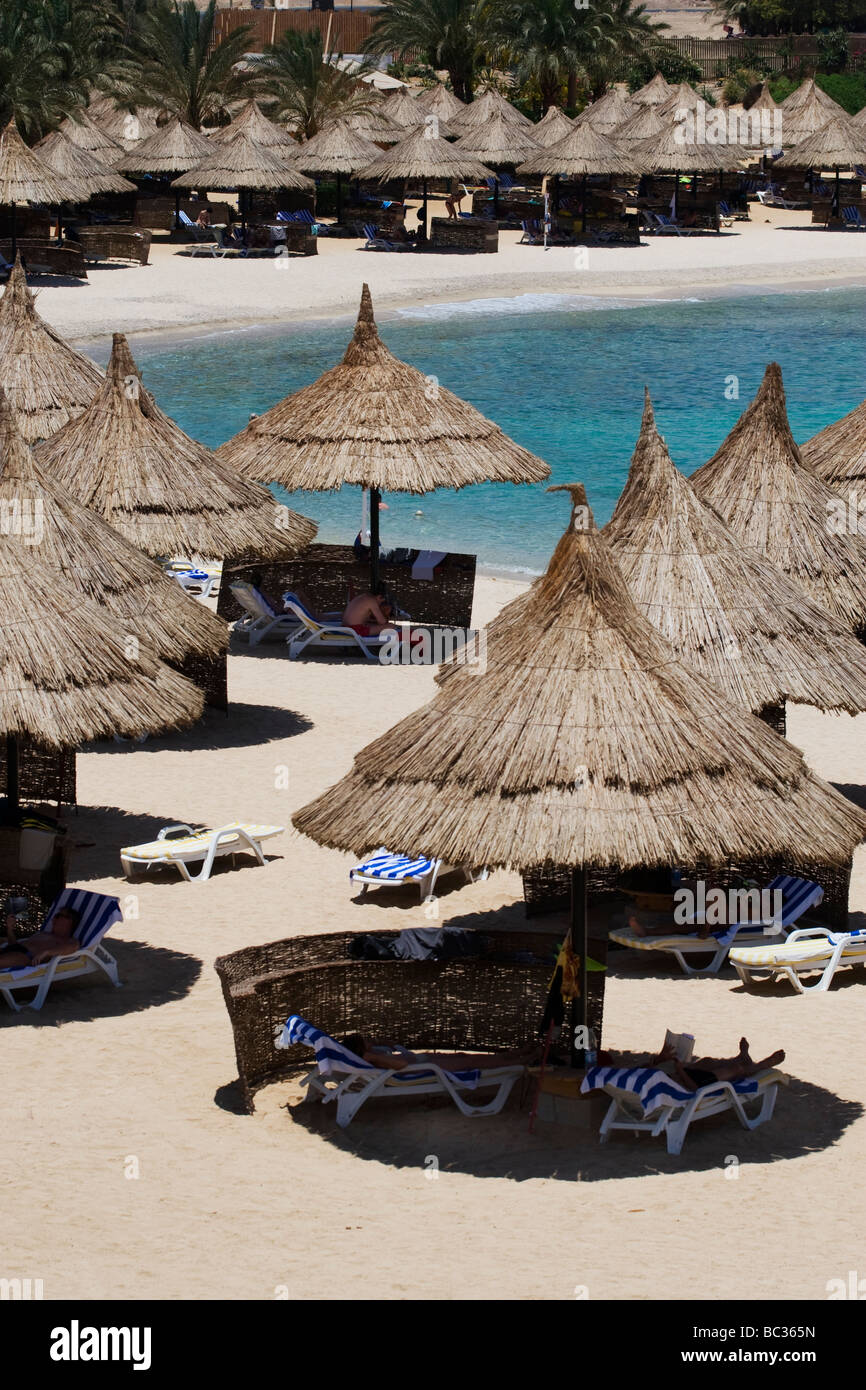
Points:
(563, 375)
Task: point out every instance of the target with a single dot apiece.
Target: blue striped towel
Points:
(394, 867)
(97, 913)
(650, 1086)
(333, 1059)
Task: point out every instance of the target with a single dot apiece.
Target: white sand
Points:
(132, 1081)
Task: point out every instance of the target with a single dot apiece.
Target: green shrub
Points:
(674, 67)
(848, 88)
(738, 84)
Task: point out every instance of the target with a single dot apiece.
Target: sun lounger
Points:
(798, 896)
(204, 239)
(260, 622)
(647, 1099)
(807, 951)
(197, 847)
(98, 913)
(384, 867)
(196, 581)
(375, 242)
(663, 224)
(343, 1077)
(851, 217)
(320, 633)
(532, 233)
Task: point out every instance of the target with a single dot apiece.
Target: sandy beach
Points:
(138, 1176)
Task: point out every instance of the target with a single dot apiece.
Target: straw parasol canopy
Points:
(584, 742)
(438, 101)
(837, 145)
(242, 163)
(584, 150)
(553, 125)
(683, 97)
(171, 150)
(773, 501)
(486, 106)
(422, 156)
(166, 493)
(74, 162)
(805, 94)
(838, 455)
(654, 92)
(728, 613)
(46, 381)
(403, 110)
(859, 121)
(83, 131)
(252, 121)
(643, 124)
(375, 126)
(676, 150)
(336, 149)
(124, 126)
(498, 142)
(764, 100)
(802, 121)
(609, 111)
(98, 563)
(27, 179)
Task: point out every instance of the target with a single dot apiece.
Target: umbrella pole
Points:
(374, 539)
(583, 202)
(339, 195)
(424, 192)
(579, 941)
(177, 209)
(13, 792)
(14, 233)
(676, 186)
(495, 197)
(836, 194)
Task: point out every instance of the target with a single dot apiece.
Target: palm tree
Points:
(450, 33)
(176, 62)
(307, 87)
(51, 53)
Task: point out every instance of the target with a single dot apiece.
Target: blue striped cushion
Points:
(333, 1058)
(653, 1088)
(394, 867)
(98, 913)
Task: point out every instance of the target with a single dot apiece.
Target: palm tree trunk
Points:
(571, 96)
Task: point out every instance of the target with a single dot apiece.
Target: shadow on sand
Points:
(242, 726)
(101, 832)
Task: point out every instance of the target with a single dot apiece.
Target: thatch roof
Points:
(859, 121)
(642, 125)
(683, 97)
(243, 163)
(654, 92)
(422, 156)
(46, 381)
(402, 109)
(759, 484)
(337, 149)
(809, 92)
(672, 151)
(98, 563)
(83, 131)
(478, 112)
(584, 150)
(124, 126)
(171, 150)
(372, 421)
(74, 162)
(764, 100)
(439, 101)
(583, 742)
(802, 121)
(837, 145)
(727, 612)
(375, 126)
(498, 142)
(609, 111)
(67, 672)
(553, 125)
(838, 455)
(27, 178)
(252, 121)
(166, 493)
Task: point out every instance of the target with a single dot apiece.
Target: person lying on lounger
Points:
(56, 939)
(668, 928)
(368, 614)
(703, 1071)
(388, 1057)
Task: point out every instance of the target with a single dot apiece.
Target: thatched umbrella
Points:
(837, 145)
(654, 92)
(683, 97)
(677, 149)
(423, 156)
(609, 111)
(481, 110)
(371, 422)
(125, 126)
(375, 126)
(83, 131)
(498, 144)
(242, 165)
(438, 101)
(402, 109)
(173, 149)
(337, 149)
(29, 180)
(252, 121)
(809, 92)
(838, 455)
(553, 127)
(75, 162)
(774, 501)
(726, 611)
(46, 381)
(166, 493)
(643, 124)
(584, 151)
(585, 743)
(96, 560)
(806, 119)
(859, 121)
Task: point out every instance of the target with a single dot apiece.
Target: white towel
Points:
(426, 563)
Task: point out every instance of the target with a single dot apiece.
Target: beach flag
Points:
(564, 986)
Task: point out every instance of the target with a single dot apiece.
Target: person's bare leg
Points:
(10, 959)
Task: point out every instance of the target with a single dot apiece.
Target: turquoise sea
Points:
(563, 375)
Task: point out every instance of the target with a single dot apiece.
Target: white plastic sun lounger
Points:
(645, 1099)
(343, 1077)
(807, 951)
(197, 847)
(323, 633)
(97, 913)
(384, 867)
(260, 622)
(798, 896)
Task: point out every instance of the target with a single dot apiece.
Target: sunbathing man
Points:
(388, 1057)
(703, 1071)
(368, 614)
(56, 939)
